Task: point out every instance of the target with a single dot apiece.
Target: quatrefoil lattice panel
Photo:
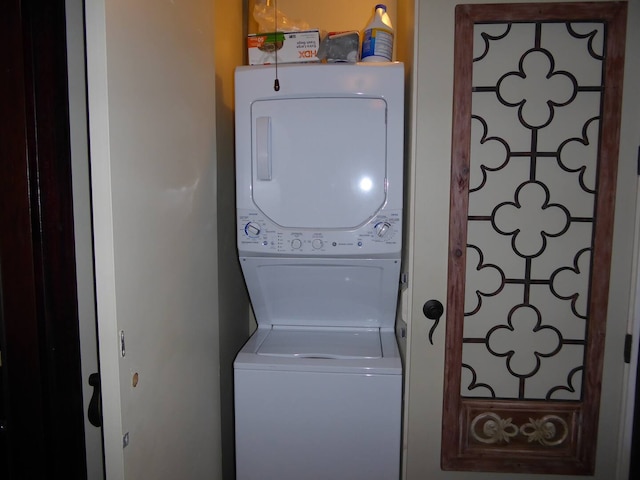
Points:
(533, 175)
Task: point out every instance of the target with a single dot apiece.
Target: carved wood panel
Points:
(537, 99)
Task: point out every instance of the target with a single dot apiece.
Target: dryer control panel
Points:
(381, 235)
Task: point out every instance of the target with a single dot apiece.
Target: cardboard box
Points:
(292, 47)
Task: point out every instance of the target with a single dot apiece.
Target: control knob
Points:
(382, 228)
(252, 229)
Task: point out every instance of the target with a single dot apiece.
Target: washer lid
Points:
(323, 292)
(344, 343)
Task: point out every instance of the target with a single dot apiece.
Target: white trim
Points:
(82, 225)
(407, 294)
(629, 144)
(97, 88)
(628, 400)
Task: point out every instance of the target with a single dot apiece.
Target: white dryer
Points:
(319, 167)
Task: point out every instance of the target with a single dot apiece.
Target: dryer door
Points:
(319, 162)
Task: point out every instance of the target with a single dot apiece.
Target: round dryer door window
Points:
(319, 162)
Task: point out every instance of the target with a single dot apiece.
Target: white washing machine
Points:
(318, 387)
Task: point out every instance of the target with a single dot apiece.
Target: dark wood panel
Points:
(42, 385)
(21, 367)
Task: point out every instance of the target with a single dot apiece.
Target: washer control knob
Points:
(296, 243)
(317, 243)
(252, 229)
(382, 228)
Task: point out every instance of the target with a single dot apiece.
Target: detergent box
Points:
(291, 47)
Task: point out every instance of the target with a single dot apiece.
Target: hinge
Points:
(404, 280)
(627, 347)
(122, 350)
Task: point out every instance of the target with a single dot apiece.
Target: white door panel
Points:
(429, 249)
(151, 96)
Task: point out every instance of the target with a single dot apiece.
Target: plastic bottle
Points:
(377, 37)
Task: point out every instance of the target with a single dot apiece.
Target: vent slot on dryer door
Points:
(319, 162)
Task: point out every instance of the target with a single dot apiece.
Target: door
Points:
(151, 101)
(430, 246)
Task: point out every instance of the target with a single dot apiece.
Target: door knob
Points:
(95, 404)
(433, 310)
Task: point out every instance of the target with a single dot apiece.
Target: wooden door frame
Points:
(579, 458)
(42, 410)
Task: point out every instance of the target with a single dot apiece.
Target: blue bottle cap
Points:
(382, 6)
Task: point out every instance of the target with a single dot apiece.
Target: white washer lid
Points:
(344, 343)
(334, 293)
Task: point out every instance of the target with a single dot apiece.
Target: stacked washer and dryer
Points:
(319, 167)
